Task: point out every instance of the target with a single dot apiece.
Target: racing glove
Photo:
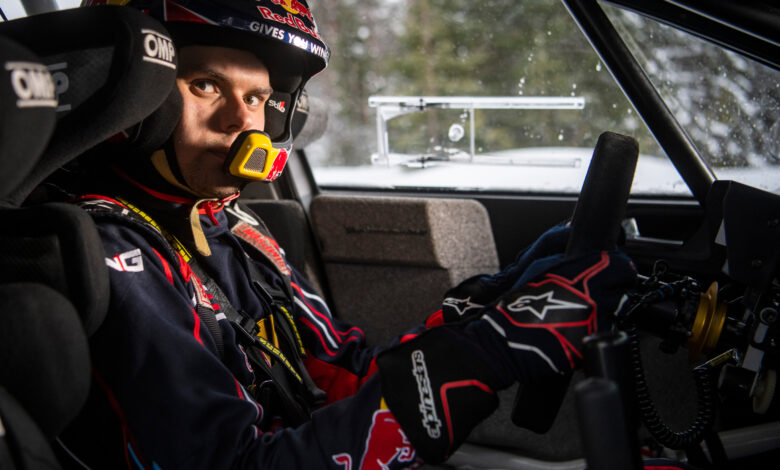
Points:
(440, 384)
(467, 298)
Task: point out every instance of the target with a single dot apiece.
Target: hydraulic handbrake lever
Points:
(595, 227)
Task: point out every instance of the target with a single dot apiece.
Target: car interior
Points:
(689, 374)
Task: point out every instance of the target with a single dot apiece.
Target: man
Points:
(218, 354)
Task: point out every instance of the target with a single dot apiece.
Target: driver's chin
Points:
(217, 192)
(213, 186)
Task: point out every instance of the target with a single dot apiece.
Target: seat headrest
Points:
(27, 104)
(45, 354)
(112, 66)
(309, 121)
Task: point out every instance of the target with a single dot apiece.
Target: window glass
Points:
(513, 99)
(729, 105)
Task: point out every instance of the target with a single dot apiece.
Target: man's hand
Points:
(540, 323)
(467, 298)
(440, 384)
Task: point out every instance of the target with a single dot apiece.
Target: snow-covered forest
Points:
(727, 104)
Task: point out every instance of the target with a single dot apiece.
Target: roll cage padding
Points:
(26, 102)
(57, 244)
(109, 69)
(113, 67)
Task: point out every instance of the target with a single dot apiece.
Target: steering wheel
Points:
(595, 227)
(602, 202)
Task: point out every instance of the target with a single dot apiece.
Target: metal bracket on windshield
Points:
(389, 107)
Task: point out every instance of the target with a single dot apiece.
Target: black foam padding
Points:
(119, 70)
(27, 104)
(278, 108)
(44, 354)
(57, 244)
(152, 133)
(23, 445)
(602, 202)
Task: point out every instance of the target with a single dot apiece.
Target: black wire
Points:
(705, 392)
(3, 14)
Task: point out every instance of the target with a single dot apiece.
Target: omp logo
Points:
(277, 105)
(61, 83)
(430, 420)
(32, 84)
(129, 261)
(158, 48)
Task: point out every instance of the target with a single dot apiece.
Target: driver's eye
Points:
(206, 86)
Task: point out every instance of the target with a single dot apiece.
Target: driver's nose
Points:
(235, 116)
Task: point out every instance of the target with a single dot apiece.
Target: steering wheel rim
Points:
(601, 205)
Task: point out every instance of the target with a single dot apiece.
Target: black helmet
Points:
(281, 33)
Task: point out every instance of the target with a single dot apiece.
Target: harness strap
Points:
(261, 246)
(100, 205)
(286, 367)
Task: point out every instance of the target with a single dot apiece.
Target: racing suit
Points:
(168, 392)
(232, 361)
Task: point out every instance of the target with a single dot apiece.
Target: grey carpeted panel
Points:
(441, 233)
(389, 260)
(385, 302)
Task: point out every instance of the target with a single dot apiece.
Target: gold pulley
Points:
(708, 324)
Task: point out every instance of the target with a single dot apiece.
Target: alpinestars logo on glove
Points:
(461, 306)
(539, 305)
(427, 409)
(562, 306)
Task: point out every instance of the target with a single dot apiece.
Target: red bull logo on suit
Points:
(386, 447)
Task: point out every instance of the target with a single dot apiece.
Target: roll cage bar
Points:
(750, 28)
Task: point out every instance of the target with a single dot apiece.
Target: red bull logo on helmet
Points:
(295, 7)
(292, 18)
(386, 448)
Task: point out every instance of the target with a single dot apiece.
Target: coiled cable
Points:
(705, 394)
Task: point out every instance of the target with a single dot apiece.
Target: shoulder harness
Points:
(273, 344)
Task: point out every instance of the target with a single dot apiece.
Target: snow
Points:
(551, 169)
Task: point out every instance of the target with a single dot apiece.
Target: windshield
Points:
(469, 51)
(729, 105)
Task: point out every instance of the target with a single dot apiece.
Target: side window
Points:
(728, 104)
(455, 94)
